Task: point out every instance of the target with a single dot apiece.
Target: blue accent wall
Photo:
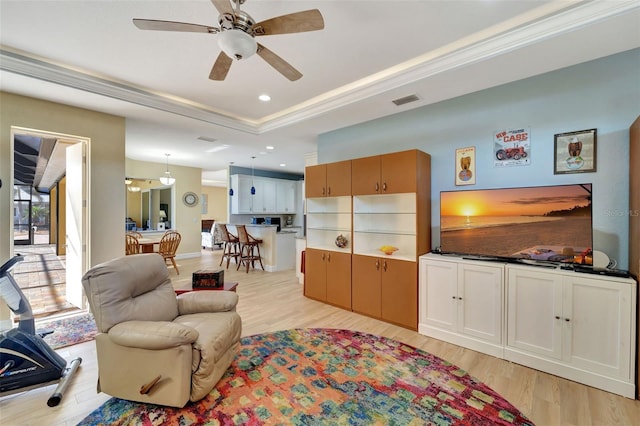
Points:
(602, 94)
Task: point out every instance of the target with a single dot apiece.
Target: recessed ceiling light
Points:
(264, 98)
(283, 165)
(269, 147)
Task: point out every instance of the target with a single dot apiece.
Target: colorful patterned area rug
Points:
(69, 330)
(329, 377)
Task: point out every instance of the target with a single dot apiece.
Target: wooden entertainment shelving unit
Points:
(388, 203)
(634, 213)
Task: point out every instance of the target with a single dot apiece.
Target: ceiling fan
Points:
(237, 32)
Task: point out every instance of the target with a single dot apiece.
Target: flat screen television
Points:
(542, 223)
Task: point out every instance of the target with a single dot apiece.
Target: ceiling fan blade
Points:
(221, 67)
(151, 24)
(282, 66)
(223, 6)
(308, 20)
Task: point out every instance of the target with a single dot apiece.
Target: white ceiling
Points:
(89, 54)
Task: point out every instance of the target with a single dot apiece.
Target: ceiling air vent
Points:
(405, 100)
(206, 139)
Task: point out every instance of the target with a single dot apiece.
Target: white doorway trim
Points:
(84, 218)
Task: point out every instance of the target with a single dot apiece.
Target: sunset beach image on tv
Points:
(547, 223)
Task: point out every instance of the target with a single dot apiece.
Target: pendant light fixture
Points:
(253, 188)
(167, 179)
(229, 180)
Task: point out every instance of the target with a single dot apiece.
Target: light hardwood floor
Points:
(274, 301)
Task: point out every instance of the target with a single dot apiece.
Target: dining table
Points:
(147, 245)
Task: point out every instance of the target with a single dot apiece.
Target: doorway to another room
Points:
(40, 209)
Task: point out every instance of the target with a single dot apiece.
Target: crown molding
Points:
(549, 21)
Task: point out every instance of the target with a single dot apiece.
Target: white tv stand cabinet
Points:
(574, 325)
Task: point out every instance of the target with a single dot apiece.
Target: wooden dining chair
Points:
(135, 234)
(168, 247)
(249, 249)
(230, 249)
(131, 246)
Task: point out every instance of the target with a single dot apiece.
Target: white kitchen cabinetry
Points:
(271, 195)
(578, 326)
(264, 200)
(462, 303)
(286, 196)
(575, 325)
(242, 200)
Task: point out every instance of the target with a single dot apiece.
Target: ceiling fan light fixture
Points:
(237, 44)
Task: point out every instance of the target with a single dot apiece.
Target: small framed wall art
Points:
(466, 166)
(575, 152)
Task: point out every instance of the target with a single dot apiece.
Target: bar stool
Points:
(230, 249)
(247, 246)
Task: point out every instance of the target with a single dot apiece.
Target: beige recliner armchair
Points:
(153, 346)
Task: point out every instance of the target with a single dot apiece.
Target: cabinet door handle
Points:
(453, 297)
(328, 190)
(459, 298)
(377, 265)
(323, 191)
(329, 257)
(557, 317)
(567, 319)
(377, 187)
(384, 265)
(323, 256)
(384, 187)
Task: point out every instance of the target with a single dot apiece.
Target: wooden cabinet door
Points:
(399, 292)
(399, 172)
(480, 306)
(339, 279)
(439, 294)
(365, 285)
(315, 276)
(365, 176)
(534, 312)
(315, 181)
(339, 178)
(597, 318)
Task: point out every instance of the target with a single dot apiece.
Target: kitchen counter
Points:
(277, 248)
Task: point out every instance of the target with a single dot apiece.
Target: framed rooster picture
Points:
(575, 152)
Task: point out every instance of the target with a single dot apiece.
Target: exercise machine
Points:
(26, 360)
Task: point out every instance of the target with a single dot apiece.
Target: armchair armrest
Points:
(194, 302)
(152, 334)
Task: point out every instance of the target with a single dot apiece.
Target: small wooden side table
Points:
(229, 286)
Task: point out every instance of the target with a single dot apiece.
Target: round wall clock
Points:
(190, 199)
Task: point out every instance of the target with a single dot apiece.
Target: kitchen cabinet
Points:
(241, 201)
(285, 196)
(328, 277)
(462, 303)
(388, 174)
(265, 200)
(385, 288)
(328, 180)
